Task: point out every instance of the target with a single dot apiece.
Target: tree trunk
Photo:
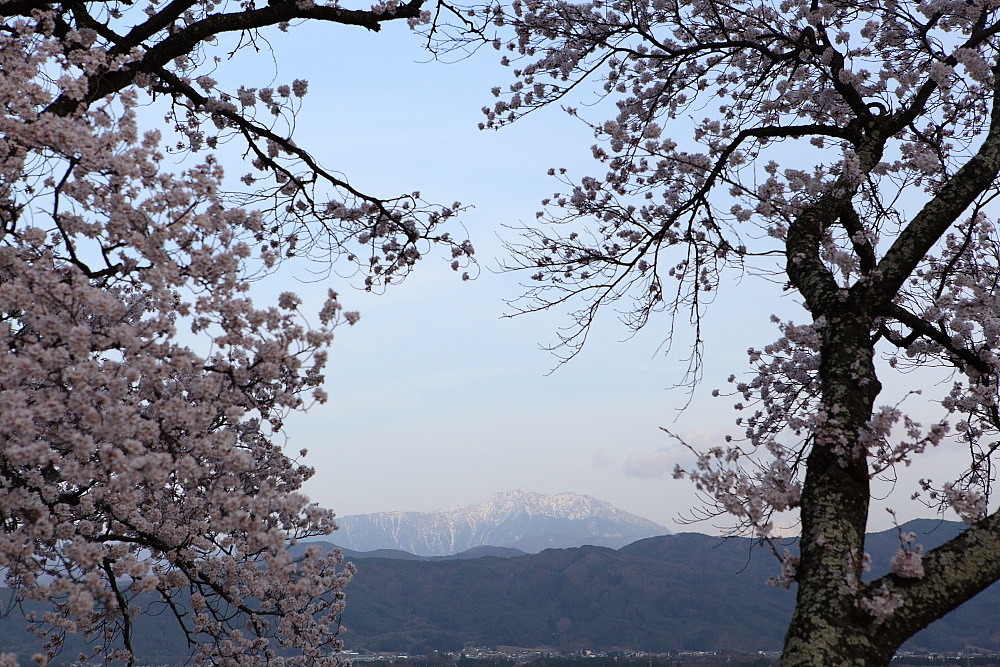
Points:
(829, 627)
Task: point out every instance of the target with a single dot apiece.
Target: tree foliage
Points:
(849, 149)
(142, 392)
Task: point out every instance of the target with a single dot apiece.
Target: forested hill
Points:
(685, 591)
(677, 592)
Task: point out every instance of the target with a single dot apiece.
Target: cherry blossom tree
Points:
(848, 151)
(142, 392)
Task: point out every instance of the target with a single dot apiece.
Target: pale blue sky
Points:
(434, 399)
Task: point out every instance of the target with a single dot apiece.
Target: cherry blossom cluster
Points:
(789, 565)
(881, 604)
(907, 562)
(143, 392)
(659, 59)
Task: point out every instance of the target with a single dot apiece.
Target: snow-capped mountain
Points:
(522, 520)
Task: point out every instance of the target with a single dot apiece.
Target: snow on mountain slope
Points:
(518, 519)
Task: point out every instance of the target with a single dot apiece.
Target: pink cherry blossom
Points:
(143, 392)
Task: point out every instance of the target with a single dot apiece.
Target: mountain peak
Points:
(514, 519)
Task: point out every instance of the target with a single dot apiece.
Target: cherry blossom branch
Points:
(184, 40)
(920, 327)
